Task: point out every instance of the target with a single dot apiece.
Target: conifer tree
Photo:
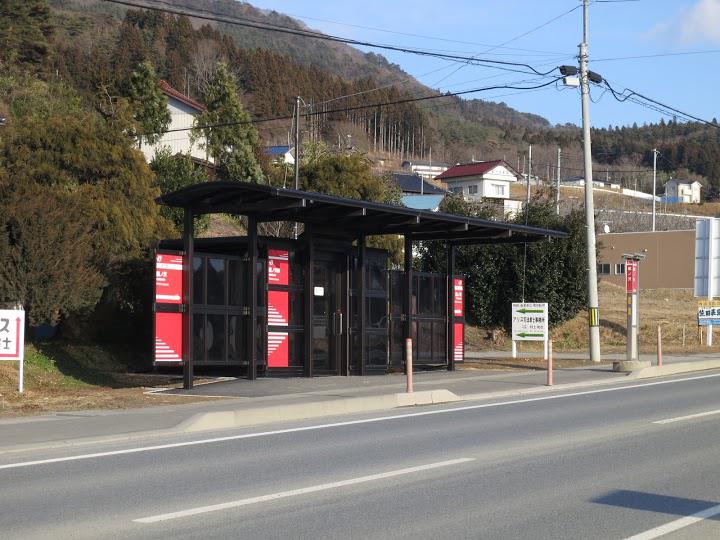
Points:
(148, 103)
(229, 137)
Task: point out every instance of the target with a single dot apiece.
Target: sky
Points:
(617, 29)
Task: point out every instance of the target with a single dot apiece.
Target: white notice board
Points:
(529, 321)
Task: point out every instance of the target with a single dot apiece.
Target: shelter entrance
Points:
(329, 320)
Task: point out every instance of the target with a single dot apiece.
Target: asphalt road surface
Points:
(610, 462)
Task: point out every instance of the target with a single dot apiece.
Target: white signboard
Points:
(529, 321)
(707, 258)
(12, 338)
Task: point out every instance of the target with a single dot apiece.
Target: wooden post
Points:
(659, 345)
(549, 363)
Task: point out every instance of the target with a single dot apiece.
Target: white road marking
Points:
(339, 424)
(688, 417)
(676, 525)
(301, 491)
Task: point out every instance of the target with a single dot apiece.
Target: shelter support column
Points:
(362, 262)
(408, 287)
(450, 307)
(252, 285)
(189, 250)
(308, 298)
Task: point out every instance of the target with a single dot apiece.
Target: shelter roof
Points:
(347, 218)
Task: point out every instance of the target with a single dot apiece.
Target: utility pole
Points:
(655, 153)
(593, 302)
(529, 176)
(557, 192)
(297, 155)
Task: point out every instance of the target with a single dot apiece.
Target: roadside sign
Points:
(709, 313)
(631, 275)
(12, 339)
(529, 321)
(168, 308)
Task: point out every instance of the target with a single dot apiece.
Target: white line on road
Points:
(340, 424)
(688, 417)
(301, 491)
(676, 525)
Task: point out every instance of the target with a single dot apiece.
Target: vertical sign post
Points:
(12, 340)
(632, 288)
(458, 319)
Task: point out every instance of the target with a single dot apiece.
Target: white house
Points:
(281, 155)
(425, 168)
(683, 191)
(183, 111)
(483, 180)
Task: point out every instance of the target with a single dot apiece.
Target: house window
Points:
(619, 268)
(603, 269)
(456, 189)
(472, 190)
(499, 190)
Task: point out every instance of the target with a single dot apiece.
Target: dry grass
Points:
(674, 310)
(65, 377)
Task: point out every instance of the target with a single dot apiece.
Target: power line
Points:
(361, 107)
(658, 55)
(258, 25)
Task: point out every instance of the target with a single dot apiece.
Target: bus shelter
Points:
(321, 304)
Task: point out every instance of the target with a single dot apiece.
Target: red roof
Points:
(475, 169)
(171, 92)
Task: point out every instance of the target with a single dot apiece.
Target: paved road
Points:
(591, 464)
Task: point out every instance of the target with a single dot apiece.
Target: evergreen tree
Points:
(24, 31)
(230, 139)
(148, 103)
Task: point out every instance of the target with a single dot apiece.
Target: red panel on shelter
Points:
(459, 346)
(278, 349)
(168, 337)
(458, 297)
(168, 278)
(278, 272)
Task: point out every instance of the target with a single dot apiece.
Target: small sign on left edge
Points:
(12, 338)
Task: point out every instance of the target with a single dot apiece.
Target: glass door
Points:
(328, 325)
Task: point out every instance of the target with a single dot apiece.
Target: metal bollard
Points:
(659, 345)
(549, 363)
(409, 364)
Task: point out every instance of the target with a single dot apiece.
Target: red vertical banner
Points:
(278, 314)
(168, 299)
(631, 272)
(278, 268)
(458, 297)
(168, 278)
(459, 345)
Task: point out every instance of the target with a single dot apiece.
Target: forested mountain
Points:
(94, 45)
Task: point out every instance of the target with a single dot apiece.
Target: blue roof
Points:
(410, 183)
(423, 202)
(278, 150)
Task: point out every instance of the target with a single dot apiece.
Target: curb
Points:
(674, 369)
(280, 413)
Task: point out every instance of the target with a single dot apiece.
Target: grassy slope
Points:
(72, 377)
(672, 309)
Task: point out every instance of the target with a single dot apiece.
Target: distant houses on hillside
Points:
(183, 110)
(281, 154)
(417, 192)
(484, 180)
(683, 191)
(426, 168)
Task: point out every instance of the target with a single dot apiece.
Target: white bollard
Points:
(409, 364)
